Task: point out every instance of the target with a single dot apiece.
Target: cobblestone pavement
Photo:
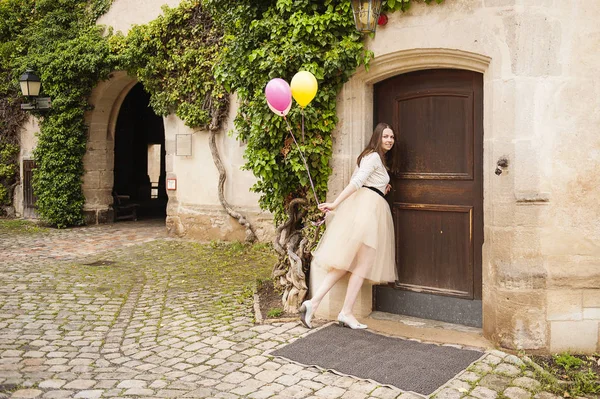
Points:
(122, 311)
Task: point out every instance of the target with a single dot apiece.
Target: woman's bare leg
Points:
(365, 259)
(354, 284)
(332, 277)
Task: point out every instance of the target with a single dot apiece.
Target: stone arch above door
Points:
(106, 99)
(399, 62)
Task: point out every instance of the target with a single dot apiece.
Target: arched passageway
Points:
(139, 157)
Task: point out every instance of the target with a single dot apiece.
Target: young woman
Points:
(360, 237)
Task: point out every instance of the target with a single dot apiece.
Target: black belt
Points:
(376, 190)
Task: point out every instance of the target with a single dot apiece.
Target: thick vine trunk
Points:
(294, 257)
(250, 234)
(11, 189)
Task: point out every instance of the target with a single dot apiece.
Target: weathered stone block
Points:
(516, 243)
(91, 179)
(528, 58)
(95, 159)
(107, 179)
(520, 319)
(591, 313)
(100, 198)
(520, 274)
(511, 215)
(573, 272)
(90, 217)
(565, 305)
(499, 3)
(106, 216)
(575, 336)
(569, 241)
(591, 298)
(529, 187)
(214, 224)
(98, 139)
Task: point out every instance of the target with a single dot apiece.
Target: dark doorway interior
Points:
(140, 155)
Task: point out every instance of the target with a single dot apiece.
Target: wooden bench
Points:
(123, 208)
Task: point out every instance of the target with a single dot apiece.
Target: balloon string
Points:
(302, 112)
(303, 160)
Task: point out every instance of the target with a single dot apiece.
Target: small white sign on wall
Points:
(183, 145)
(171, 184)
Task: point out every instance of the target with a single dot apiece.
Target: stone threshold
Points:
(426, 330)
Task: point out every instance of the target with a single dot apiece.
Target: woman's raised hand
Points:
(326, 207)
(388, 188)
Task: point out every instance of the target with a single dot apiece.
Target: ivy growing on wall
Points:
(272, 39)
(71, 55)
(174, 57)
(13, 18)
(277, 38)
(403, 5)
(60, 40)
(11, 119)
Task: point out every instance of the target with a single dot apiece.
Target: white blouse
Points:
(371, 172)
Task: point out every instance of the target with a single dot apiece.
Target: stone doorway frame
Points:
(355, 113)
(98, 162)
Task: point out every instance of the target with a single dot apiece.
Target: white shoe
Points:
(306, 313)
(345, 323)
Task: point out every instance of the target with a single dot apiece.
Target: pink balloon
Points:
(278, 94)
(280, 113)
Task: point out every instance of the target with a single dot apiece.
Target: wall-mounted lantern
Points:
(30, 88)
(366, 15)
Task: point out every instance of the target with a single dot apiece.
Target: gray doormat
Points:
(408, 365)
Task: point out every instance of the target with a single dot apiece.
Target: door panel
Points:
(436, 241)
(441, 149)
(437, 190)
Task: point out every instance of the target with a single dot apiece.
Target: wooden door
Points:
(29, 198)
(437, 191)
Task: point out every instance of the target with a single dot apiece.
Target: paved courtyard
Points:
(124, 311)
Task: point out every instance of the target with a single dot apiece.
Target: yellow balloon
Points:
(304, 87)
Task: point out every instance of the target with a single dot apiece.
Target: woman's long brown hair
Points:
(375, 146)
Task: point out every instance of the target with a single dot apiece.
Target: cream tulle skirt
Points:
(360, 238)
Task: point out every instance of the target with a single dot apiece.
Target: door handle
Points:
(500, 165)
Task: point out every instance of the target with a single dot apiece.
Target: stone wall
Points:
(125, 13)
(194, 209)
(541, 263)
